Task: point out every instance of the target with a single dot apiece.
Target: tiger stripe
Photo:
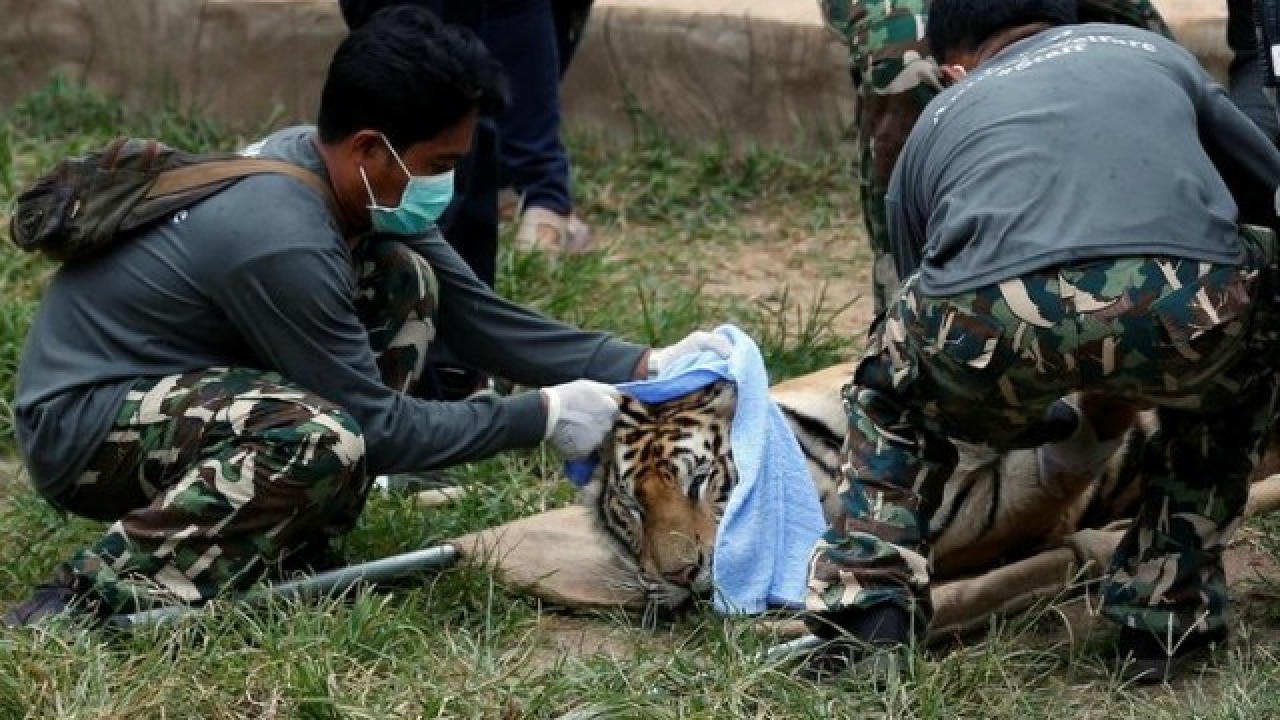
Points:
(998, 507)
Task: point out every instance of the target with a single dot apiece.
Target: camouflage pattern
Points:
(212, 477)
(1197, 340)
(396, 298)
(894, 77)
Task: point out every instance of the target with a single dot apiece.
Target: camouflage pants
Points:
(211, 477)
(894, 77)
(1196, 340)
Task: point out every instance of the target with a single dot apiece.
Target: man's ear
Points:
(367, 146)
(953, 74)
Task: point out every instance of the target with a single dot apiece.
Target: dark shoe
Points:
(311, 558)
(874, 645)
(828, 662)
(455, 382)
(501, 386)
(61, 596)
(1146, 658)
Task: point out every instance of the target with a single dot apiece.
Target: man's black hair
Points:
(403, 72)
(962, 25)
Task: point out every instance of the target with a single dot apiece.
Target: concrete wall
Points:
(763, 71)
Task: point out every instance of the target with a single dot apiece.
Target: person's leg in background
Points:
(534, 161)
(470, 224)
(571, 20)
(1247, 74)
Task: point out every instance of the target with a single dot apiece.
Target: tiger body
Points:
(667, 472)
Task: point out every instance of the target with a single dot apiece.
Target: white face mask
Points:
(424, 200)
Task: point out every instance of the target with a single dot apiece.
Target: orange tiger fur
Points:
(666, 473)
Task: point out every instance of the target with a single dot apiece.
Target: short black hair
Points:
(406, 74)
(961, 25)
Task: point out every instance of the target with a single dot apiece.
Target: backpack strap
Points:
(213, 172)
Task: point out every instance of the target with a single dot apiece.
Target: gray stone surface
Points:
(242, 61)
(749, 71)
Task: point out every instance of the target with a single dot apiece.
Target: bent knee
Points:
(340, 435)
(309, 438)
(394, 258)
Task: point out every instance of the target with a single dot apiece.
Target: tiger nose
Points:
(685, 574)
(682, 576)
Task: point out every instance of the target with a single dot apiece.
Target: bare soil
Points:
(766, 259)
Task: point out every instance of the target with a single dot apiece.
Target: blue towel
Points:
(773, 518)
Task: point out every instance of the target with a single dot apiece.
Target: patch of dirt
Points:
(828, 268)
(767, 258)
(585, 637)
(12, 478)
(1252, 574)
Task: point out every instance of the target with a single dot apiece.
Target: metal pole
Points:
(783, 651)
(331, 582)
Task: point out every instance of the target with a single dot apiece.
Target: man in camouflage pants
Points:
(894, 78)
(221, 387)
(1067, 217)
(244, 453)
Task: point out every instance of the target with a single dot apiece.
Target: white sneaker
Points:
(509, 200)
(542, 230)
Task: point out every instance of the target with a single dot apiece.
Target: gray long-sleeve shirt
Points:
(259, 276)
(1080, 142)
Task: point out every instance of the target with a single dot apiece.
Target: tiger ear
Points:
(723, 399)
(631, 412)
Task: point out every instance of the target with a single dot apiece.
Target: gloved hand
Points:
(579, 416)
(695, 342)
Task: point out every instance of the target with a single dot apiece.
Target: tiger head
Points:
(660, 487)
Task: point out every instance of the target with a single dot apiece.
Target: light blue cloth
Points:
(773, 518)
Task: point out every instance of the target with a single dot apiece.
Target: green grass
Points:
(454, 644)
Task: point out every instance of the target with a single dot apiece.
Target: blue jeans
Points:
(1248, 70)
(522, 35)
(571, 20)
(470, 224)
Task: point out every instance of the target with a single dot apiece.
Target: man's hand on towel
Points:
(696, 342)
(579, 416)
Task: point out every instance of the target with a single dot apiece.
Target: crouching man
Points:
(1067, 216)
(222, 387)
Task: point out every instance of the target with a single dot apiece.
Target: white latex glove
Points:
(695, 342)
(579, 416)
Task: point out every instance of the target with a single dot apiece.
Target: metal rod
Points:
(331, 582)
(340, 579)
(785, 650)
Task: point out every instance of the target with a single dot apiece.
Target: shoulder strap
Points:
(202, 174)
